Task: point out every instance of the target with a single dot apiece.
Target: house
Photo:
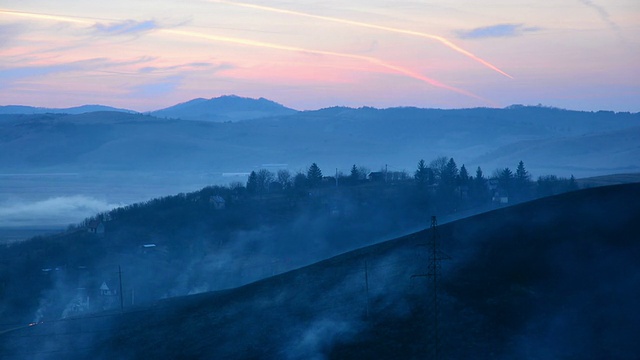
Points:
(377, 176)
(105, 291)
(500, 197)
(218, 202)
(96, 227)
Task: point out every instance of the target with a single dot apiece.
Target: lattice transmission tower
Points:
(433, 274)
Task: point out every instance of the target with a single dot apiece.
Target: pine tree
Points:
(449, 174)
(505, 179)
(252, 183)
(480, 190)
(354, 177)
(522, 175)
(464, 176)
(421, 175)
(572, 185)
(314, 175)
(521, 182)
(479, 176)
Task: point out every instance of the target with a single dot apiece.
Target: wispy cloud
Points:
(9, 33)
(126, 27)
(31, 71)
(499, 30)
(188, 66)
(379, 63)
(604, 15)
(95, 64)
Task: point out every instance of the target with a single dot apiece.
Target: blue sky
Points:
(578, 54)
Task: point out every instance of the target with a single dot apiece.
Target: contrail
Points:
(68, 19)
(375, 61)
(442, 40)
(253, 43)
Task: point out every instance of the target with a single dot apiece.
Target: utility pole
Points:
(121, 298)
(433, 273)
(366, 284)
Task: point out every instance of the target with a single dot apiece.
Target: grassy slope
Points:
(609, 180)
(553, 278)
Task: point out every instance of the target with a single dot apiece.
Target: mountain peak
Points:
(225, 108)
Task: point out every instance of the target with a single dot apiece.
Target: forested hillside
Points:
(225, 236)
(551, 278)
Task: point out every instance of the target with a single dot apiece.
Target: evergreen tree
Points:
(354, 176)
(449, 174)
(479, 176)
(314, 175)
(521, 182)
(572, 184)
(252, 183)
(421, 175)
(505, 179)
(522, 175)
(464, 176)
(480, 191)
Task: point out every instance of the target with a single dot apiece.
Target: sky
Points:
(150, 54)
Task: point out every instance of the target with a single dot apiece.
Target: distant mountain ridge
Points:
(549, 141)
(83, 109)
(224, 108)
(219, 109)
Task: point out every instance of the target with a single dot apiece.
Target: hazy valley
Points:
(100, 159)
(251, 230)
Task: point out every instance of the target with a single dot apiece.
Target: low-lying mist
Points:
(53, 211)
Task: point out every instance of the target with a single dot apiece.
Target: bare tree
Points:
(284, 178)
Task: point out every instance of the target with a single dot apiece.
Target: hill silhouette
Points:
(112, 141)
(224, 108)
(83, 109)
(552, 278)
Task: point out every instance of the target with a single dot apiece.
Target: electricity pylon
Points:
(433, 273)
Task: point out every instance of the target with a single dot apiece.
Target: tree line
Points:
(440, 177)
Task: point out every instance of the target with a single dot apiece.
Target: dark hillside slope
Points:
(555, 278)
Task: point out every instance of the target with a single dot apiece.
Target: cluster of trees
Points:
(264, 181)
(441, 178)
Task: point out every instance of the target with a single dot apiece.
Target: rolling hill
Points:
(552, 278)
(336, 137)
(51, 155)
(224, 108)
(83, 109)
